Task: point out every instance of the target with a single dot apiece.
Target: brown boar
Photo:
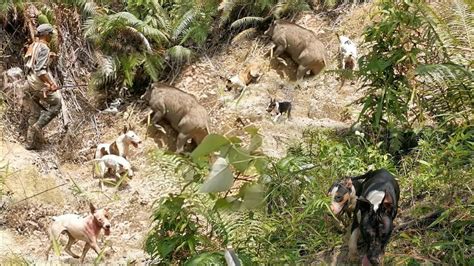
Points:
(301, 44)
(181, 110)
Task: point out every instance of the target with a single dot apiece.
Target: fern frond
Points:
(226, 7)
(145, 41)
(106, 73)
(184, 24)
(179, 54)
(152, 65)
(245, 34)
(246, 22)
(288, 7)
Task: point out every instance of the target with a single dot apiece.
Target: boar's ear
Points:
(387, 202)
(91, 207)
(364, 204)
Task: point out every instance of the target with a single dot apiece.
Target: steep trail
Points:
(319, 103)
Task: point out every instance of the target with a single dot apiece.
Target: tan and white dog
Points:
(86, 229)
(121, 146)
(248, 75)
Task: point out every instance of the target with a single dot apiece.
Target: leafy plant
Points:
(409, 75)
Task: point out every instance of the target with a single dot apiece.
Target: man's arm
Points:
(41, 67)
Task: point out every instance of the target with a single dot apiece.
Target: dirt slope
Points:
(319, 103)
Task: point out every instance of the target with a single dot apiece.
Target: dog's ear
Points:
(125, 129)
(91, 206)
(364, 204)
(387, 202)
(130, 127)
(348, 182)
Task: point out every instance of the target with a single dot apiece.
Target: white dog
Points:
(115, 165)
(121, 146)
(348, 51)
(80, 228)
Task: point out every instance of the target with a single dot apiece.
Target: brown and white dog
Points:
(248, 75)
(343, 196)
(80, 228)
(121, 146)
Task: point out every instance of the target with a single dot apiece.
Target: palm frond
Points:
(447, 89)
(453, 23)
(246, 22)
(90, 9)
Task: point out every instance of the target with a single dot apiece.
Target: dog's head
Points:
(376, 225)
(131, 136)
(271, 106)
(233, 82)
(101, 218)
(341, 193)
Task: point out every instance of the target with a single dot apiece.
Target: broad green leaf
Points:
(252, 130)
(260, 164)
(210, 143)
(253, 195)
(225, 203)
(239, 159)
(284, 163)
(207, 258)
(255, 143)
(220, 178)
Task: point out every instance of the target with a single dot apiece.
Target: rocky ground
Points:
(42, 184)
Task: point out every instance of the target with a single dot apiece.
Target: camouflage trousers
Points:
(41, 111)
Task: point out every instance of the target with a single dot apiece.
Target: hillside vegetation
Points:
(252, 185)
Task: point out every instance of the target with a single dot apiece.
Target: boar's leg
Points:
(182, 138)
(157, 118)
(279, 50)
(301, 72)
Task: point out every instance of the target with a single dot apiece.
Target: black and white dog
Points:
(375, 211)
(279, 108)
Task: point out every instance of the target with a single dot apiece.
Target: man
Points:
(41, 86)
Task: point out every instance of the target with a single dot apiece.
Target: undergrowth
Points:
(293, 224)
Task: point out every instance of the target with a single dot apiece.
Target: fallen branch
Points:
(37, 194)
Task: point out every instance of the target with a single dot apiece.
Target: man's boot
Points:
(31, 136)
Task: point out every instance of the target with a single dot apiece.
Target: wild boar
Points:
(181, 110)
(301, 44)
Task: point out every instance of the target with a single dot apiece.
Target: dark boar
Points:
(301, 44)
(181, 110)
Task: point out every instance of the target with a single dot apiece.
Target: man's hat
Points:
(44, 29)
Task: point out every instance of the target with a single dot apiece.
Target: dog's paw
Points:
(353, 256)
